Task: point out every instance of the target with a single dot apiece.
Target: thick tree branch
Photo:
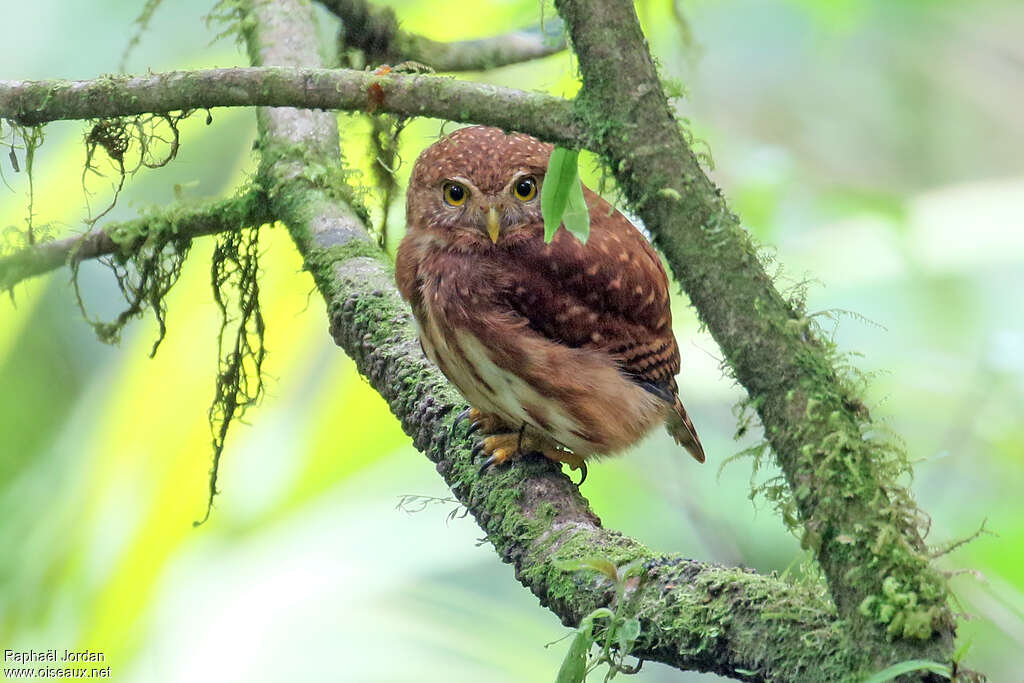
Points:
(862, 525)
(126, 237)
(694, 616)
(35, 102)
(375, 31)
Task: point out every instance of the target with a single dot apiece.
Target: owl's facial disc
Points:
(505, 209)
(491, 211)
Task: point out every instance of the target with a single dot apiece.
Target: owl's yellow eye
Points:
(525, 188)
(455, 194)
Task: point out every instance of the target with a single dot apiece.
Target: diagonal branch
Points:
(694, 616)
(861, 522)
(126, 237)
(36, 102)
(375, 31)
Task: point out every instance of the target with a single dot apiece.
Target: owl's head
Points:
(478, 187)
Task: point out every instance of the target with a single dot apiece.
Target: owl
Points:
(562, 348)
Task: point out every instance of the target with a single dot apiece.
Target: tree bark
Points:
(32, 103)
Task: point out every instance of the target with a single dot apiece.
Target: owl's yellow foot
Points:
(479, 421)
(575, 462)
(499, 449)
(507, 446)
(488, 423)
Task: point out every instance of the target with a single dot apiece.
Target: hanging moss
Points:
(130, 144)
(240, 342)
(146, 270)
(31, 139)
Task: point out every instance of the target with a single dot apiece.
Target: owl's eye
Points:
(455, 194)
(525, 188)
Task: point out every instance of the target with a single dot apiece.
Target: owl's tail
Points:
(681, 429)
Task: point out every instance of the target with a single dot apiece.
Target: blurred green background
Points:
(877, 147)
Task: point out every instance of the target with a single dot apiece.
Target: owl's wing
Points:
(610, 294)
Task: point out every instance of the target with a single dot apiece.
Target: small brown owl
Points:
(565, 349)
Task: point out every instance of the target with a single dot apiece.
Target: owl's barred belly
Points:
(629, 412)
(489, 388)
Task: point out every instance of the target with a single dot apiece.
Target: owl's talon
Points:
(459, 418)
(488, 423)
(500, 456)
(492, 460)
(499, 449)
(583, 477)
(473, 428)
(569, 458)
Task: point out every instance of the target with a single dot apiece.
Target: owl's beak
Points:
(493, 224)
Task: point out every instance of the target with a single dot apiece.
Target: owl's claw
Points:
(505, 447)
(479, 421)
(488, 423)
(583, 476)
(574, 461)
(499, 457)
(487, 463)
(459, 418)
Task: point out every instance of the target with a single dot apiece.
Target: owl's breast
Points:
(453, 345)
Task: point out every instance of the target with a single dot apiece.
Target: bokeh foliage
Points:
(876, 145)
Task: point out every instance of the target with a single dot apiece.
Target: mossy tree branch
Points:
(34, 102)
(127, 237)
(862, 524)
(375, 31)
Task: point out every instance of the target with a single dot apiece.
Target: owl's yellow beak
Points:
(493, 224)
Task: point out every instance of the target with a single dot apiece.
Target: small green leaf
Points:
(627, 634)
(597, 564)
(576, 218)
(908, 666)
(634, 568)
(961, 650)
(574, 666)
(561, 180)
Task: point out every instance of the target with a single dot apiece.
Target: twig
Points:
(248, 210)
(375, 31)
